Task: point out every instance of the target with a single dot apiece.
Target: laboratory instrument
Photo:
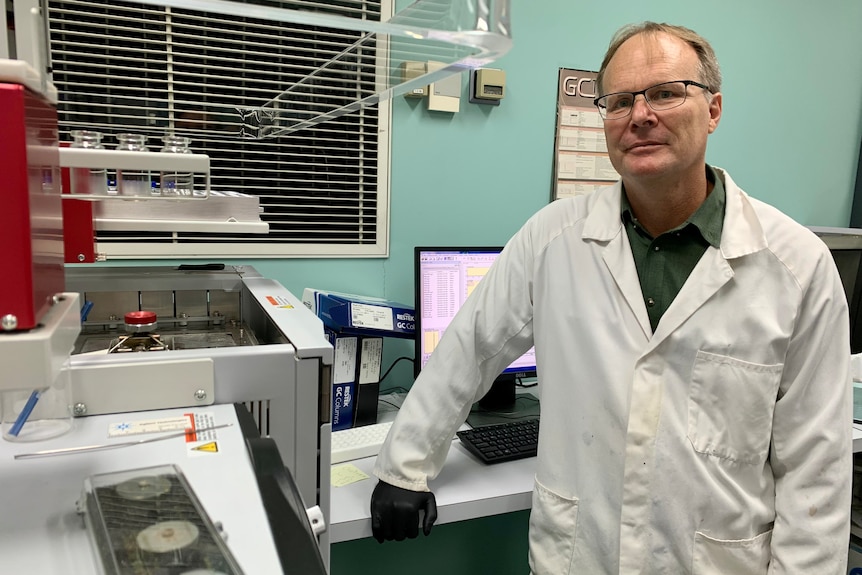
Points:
(88, 181)
(134, 182)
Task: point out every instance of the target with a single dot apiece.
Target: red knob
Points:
(140, 317)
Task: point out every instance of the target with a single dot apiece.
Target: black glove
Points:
(395, 512)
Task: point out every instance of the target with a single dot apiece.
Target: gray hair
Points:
(708, 69)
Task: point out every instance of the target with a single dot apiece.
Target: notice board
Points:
(581, 161)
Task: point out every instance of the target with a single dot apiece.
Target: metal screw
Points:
(81, 257)
(200, 395)
(80, 409)
(9, 322)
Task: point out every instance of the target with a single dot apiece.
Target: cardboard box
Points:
(343, 380)
(368, 380)
(355, 379)
(361, 315)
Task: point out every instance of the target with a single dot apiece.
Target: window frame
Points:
(134, 246)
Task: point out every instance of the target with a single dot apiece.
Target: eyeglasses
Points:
(660, 97)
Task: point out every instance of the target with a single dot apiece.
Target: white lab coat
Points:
(719, 444)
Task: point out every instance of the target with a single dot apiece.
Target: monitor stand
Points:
(502, 405)
(501, 396)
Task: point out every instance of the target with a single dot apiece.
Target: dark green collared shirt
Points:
(665, 262)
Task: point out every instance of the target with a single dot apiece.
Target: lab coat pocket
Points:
(731, 404)
(553, 526)
(740, 557)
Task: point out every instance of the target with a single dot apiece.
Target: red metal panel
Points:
(33, 228)
(79, 234)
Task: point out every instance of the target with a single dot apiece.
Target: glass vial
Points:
(133, 182)
(86, 181)
(177, 183)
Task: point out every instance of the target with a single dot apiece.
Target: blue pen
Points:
(25, 413)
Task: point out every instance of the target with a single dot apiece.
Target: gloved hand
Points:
(395, 512)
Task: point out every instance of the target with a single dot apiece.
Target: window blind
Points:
(126, 67)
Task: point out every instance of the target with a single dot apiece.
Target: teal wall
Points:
(790, 135)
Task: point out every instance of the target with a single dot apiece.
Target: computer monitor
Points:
(845, 244)
(445, 277)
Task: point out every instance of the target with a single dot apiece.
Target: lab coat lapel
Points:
(708, 276)
(741, 235)
(618, 257)
(604, 225)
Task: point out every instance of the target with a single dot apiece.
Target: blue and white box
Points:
(343, 379)
(361, 315)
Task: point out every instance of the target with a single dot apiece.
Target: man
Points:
(692, 348)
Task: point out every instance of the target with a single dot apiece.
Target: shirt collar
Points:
(708, 218)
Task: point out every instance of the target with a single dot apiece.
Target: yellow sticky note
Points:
(346, 474)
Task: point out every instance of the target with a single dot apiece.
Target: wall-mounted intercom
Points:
(487, 86)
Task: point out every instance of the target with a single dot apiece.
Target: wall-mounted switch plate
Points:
(411, 70)
(444, 95)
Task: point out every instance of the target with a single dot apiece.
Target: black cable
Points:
(410, 359)
(519, 382)
(395, 405)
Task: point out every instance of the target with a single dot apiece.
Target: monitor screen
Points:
(845, 244)
(445, 277)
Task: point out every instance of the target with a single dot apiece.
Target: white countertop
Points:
(465, 489)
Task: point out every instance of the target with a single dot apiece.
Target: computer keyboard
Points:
(502, 442)
(358, 442)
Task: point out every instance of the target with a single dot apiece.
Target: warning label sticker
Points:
(208, 447)
(201, 443)
(279, 301)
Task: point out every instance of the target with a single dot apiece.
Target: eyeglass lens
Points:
(660, 97)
